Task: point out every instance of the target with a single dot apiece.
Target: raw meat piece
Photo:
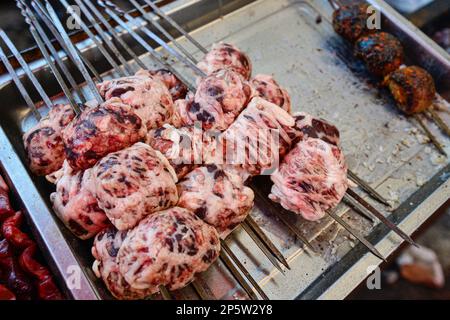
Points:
(267, 88)
(308, 126)
(177, 89)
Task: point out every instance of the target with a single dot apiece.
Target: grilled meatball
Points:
(216, 196)
(226, 56)
(219, 99)
(183, 147)
(148, 96)
(98, 131)
(267, 88)
(132, 183)
(43, 143)
(311, 179)
(167, 248)
(350, 21)
(308, 126)
(105, 249)
(382, 53)
(177, 89)
(75, 205)
(254, 142)
(412, 88)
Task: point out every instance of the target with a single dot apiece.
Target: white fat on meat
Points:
(266, 87)
(219, 99)
(260, 136)
(132, 183)
(75, 205)
(226, 56)
(105, 249)
(147, 95)
(167, 248)
(216, 196)
(311, 179)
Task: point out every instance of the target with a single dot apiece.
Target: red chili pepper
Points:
(47, 289)
(11, 231)
(5, 294)
(16, 280)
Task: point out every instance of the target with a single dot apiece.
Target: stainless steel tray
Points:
(285, 38)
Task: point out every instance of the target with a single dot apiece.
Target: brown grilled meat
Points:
(412, 88)
(382, 53)
(98, 131)
(351, 21)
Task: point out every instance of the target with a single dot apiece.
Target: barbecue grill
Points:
(381, 146)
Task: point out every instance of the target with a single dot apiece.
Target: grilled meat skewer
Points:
(350, 21)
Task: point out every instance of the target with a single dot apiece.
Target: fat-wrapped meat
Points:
(177, 88)
(132, 183)
(216, 196)
(226, 56)
(267, 88)
(412, 88)
(167, 248)
(98, 131)
(44, 144)
(311, 179)
(76, 206)
(5, 205)
(147, 95)
(105, 249)
(381, 51)
(183, 146)
(219, 99)
(308, 126)
(256, 140)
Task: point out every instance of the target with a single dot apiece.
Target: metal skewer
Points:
(202, 290)
(26, 68)
(151, 35)
(115, 34)
(366, 187)
(439, 121)
(180, 29)
(48, 22)
(381, 217)
(356, 234)
(165, 294)
(261, 246)
(27, 12)
(241, 267)
(357, 207)
(103, 35)
(433, 139)
(150, 19)
(229, 265)
(46, 55)
(265, 240)
(74, 53)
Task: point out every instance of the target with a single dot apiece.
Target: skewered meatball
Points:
(98, 131)
(147, 95)
(351, 21)
(43, 143)
(413, 89)
(308, 126)
(382, 53)
(132, 183)
(75, 205)
(105, 249)
(167, 248)
(311, 179)
(183, 147)
(177, 89)
(267, 88)
(226, 56)
(256, 140)
(216, 196)
(219, 99)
